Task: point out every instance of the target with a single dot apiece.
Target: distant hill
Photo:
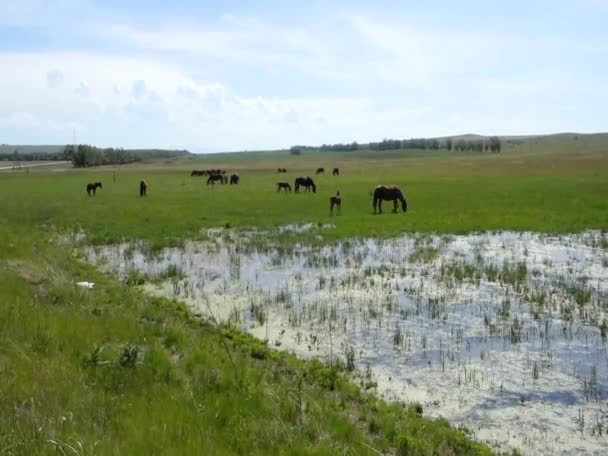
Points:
(473, 142)
(27, 149)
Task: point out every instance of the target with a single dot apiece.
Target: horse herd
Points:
(381, 192)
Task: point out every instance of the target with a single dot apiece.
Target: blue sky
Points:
(232, 75)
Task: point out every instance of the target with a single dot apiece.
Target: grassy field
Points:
(113, 371)
(552, 192)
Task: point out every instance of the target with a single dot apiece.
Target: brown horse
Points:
(234, 179)
(335, 201)
(92, 188)
(281, 170)
(143, 188)
(215, 177)
(388, 193)
(283, 185)
(320, 171)
(335, 172)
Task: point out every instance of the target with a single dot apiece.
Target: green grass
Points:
(113, 371)
(446, 193)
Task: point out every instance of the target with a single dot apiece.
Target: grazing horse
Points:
(320, 171)
(305, 182)
(143, 188)
(281, 170)
(92, 188)
(335, 201)
(335, 172)
(283, 185)
(215, 177)
(234, 179)
(388, 193)
(196, 172)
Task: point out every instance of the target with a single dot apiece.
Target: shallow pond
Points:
(502, 332)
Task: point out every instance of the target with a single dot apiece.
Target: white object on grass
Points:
(88, 285)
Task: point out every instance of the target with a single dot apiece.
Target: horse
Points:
(92, 188)
(234, 179)
(197, 172)
(283, 185)
(335, 201)
(143, 188)
(215, 177)
(281, 170)
(335, 172)
(320, 171)
(305, 182)
(388, 193)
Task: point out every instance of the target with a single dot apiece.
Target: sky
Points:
(212, 76)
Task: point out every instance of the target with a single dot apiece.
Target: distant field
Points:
(553, 191)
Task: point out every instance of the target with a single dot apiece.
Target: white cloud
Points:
(82, 90)
(54, 79)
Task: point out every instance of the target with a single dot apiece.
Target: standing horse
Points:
(335, 201)
(283, 185)
(320, 171)
(388, 193)
(215, 177)
(143, 188)
(305, 182)
(92, 188)
(335, 172)
(234, 179)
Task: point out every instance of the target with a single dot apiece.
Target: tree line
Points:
(85, 155)
(31, 156)
(491, 144)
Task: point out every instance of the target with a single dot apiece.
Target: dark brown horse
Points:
(234, 179)
(320, 171)
(283, 185)
(305, 182)
(215, 177)
(335, 201)
(198, 172)
(281, 170)
(388, 193)
(335, 172)
(143, 188)
(92, 188)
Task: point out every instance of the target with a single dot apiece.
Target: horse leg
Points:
(339, 208)
(395, 206)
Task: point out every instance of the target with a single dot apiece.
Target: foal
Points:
(335, 201)
(143, 188)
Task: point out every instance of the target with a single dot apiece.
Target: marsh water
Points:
(504, 333)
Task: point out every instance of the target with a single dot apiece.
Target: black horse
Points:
(198, 172)
(281, 170)
(335, 172)
(92, 188)
(283, 185)
(388, 193)
(305, 182)
(215, 177)
(320, 171)
(143, 188)
(234, 179)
